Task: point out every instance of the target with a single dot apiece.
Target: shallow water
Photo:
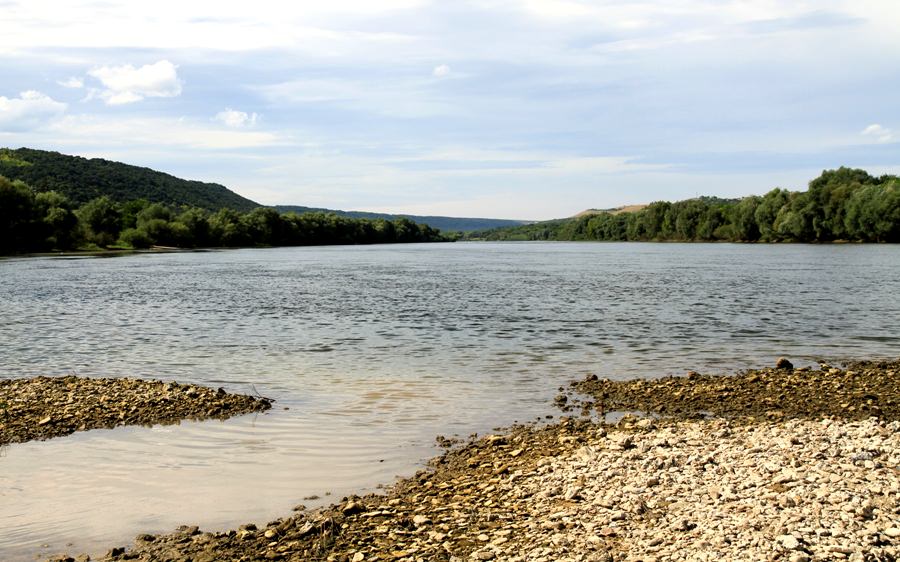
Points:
(374, 351)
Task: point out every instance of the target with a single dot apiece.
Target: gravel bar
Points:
(46, 407)
(799, 485)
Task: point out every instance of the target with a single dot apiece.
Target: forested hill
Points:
(82, 179)
(444, 224)
(844, 204)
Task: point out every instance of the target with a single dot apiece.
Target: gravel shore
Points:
(795, 485)
(46, 407)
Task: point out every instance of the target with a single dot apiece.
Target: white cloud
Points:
(159, 133)
(127, 84)
(403, 97)
(879, 133)
(203, 24)
(73, 82)
(236, 119)
(440, 70)
(29, 110)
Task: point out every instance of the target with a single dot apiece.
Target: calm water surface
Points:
(372, 351)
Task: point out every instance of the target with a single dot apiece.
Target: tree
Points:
(58, 222)
(767, 211)
(103, 220)
(17, 216)
(743, 219)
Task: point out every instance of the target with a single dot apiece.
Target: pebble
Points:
(45, 407)
(821, 486)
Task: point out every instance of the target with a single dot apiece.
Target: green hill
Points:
(444, 224)
(82, 179)
(845, 204)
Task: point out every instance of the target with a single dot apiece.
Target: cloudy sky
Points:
(528, 109)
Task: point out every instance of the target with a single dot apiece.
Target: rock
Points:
(352, 508)
(47, 407)
(358, 557)
(817, 480)
(789, 542)
(783, 363)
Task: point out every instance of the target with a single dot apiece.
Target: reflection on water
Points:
(372, 351)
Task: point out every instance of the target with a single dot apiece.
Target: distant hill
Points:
(613, 211)
(842, 205)
(82, 179)
(444, 224)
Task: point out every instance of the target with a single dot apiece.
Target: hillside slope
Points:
(82, 179)
(444, 224)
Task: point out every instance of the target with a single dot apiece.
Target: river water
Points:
(370, 352)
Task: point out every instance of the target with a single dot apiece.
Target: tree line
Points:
(44, 221)
(840, 205)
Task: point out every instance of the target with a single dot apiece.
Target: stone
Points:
(789, 542)
(352, 508)
(783, 363)
(755, 487)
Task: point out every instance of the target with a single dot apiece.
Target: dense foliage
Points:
(445, 224)
(843, 204)
(81, 179)
(33, 221)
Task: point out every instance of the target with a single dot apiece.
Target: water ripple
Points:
(372, 351)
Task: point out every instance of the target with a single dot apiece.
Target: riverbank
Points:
(46, 407)
(801, 484)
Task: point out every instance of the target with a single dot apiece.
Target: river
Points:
(372, 351)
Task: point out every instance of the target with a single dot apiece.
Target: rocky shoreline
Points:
(47, 407)
(858, 391)
(776, 464)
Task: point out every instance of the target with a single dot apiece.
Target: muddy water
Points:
(372, 351)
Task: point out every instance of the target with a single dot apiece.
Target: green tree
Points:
(743, 219)
(767, 211)
(102, 220)
(227, 229)
(196, 225)
(18, 216)
(59, 224)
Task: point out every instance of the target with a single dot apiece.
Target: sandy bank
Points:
(45, 407)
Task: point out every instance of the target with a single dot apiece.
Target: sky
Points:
(522, 109)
